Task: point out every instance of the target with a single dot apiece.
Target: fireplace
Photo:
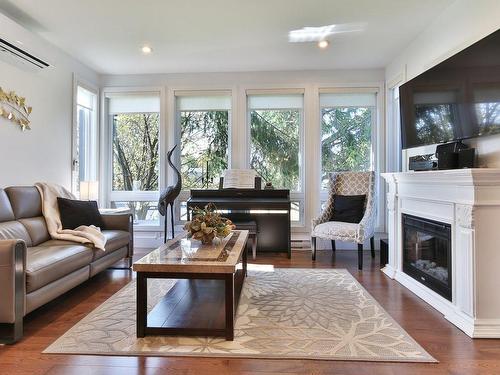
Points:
(427, 253)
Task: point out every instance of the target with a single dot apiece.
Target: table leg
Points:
(142, 302)
(289, 234)
(229, 301)
(244, 260)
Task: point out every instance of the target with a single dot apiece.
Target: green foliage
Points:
(135, 155)
(346, 140)
(204, 143)
(275, 147)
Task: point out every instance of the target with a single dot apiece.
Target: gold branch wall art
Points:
(13, 107)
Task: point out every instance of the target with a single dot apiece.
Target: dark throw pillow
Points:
(75, 213)
(348, 208)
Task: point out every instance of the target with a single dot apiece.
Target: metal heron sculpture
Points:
(168, 195)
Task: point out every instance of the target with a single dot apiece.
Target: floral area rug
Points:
(283, 313)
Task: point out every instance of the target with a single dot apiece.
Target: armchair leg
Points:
(360, 256)
(313, 240)
(372, 246)
(333, 246)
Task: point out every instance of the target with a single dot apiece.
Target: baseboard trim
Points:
(389, 271)
(486, 329)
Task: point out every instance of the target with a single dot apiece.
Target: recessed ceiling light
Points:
(146, 50)
(323, 44)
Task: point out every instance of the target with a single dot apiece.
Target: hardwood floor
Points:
(457, 354)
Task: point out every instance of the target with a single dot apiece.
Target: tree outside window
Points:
(274, 153)
(135, 158)
(204, 148)
(346, 140)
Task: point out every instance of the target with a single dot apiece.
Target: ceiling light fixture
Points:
(146, 50)
(323, 44)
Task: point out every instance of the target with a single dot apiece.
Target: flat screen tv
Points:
(455, 100)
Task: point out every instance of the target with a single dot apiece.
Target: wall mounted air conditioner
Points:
(19, 57)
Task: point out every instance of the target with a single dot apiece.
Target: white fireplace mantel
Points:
(469, 200)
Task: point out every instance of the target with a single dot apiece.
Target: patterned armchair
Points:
(348, 183)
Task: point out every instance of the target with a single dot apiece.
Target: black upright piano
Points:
(270, 209)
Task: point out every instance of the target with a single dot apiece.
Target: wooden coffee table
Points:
(203, 301)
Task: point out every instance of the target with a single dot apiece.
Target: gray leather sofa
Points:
(34, 269)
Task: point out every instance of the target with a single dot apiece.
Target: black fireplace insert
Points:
(427, 253)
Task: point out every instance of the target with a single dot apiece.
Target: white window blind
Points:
(203, 101)
(287, 101)
(134, 103)
(361, 99)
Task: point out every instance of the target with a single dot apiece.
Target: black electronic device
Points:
(447, 154)
(467, 158)
(456, 99)
(427, 162)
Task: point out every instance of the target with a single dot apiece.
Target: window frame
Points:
(375, 131)
(108, 194)
(185, 194)
(295, 196)
(75, 147)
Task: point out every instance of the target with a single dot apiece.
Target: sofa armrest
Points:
(123, 222)
(118, 222)
(12, 280)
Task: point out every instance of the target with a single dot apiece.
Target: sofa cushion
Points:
(25, 201)
(37, 229)
(6, 213)
(59, 243)
(14, 230)
(45, 264)
(115, 239)
(75, 213)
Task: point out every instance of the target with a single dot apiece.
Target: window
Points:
(134, 120)
(347, 125)
(85, 156)
(275, 122)
(275, 127)
(203, 123)
(394, 152)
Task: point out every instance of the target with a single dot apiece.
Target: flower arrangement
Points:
(208, 224)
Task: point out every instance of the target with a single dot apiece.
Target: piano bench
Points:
(251, 227)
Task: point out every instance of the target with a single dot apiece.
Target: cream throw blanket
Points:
(83, 234)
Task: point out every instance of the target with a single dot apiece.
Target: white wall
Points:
(43, 153)
(460, 25)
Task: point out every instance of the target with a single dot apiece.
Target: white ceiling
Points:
(222, 35)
